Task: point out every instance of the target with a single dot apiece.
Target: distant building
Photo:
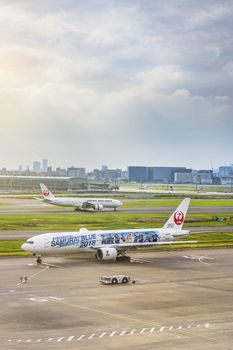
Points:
(61, 172)
(225, 170)
(44, 165)
(138, 173)
(194, 176)
(154, 174)
(36, 167)
(183, 178)
(164, 174)
(75, 172)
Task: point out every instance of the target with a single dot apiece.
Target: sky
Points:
(116, 82)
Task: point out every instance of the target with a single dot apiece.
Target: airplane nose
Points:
(23, 246)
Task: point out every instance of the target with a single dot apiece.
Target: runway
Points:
(32, 206)
(181, 300)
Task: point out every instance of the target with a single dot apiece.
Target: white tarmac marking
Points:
(199, 258)
(143, 330)
(102, 335)
(81, 337)
(70, 338)
(122, 333)
(38, 299)
(91, 336)
(118, 333)
(56, 298)
(59, 339)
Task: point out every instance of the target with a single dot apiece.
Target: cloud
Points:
(116, 83)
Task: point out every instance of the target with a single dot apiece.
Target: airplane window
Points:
(30, 242)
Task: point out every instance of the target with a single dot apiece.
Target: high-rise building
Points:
(44, 165)
(36, 166)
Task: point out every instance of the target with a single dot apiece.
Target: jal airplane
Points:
(110, 244)
(82, 204)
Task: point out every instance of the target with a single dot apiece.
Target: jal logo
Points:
(179, 217)
(46, 193)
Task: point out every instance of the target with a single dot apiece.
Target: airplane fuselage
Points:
(77, 202)
(72, 242)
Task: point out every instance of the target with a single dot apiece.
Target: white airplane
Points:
(79, 203)
(109, 244)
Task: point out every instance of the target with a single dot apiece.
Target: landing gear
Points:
(114, 209)
(39, 260)
(123, 258)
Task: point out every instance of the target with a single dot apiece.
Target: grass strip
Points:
(73, 222)
(175, 202)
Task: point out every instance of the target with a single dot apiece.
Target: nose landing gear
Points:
(39, 260)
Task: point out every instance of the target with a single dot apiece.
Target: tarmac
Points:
(181, 300)
(33, 206)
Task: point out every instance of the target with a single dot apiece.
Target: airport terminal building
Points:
(179, 175)
(154, 174)
(10, 184)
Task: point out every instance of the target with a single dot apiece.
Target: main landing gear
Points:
(123, 258)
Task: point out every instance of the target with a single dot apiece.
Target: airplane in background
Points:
(110, 244)
(82, 204)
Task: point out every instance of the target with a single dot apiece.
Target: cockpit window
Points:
(30, 242)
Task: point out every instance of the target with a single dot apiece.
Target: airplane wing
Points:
(144, 244)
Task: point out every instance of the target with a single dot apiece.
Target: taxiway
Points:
(181, 300)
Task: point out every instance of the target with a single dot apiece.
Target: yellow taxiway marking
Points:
(35, 274)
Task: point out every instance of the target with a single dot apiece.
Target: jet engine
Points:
(98, 207)
(106, 253)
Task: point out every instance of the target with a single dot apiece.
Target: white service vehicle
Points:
(115, 279)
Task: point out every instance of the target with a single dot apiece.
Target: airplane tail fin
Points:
(176, 220)
(46, 193)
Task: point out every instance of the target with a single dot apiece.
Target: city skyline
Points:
(38, 166)
(118, 82)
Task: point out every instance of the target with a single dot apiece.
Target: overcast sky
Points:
(117, 82)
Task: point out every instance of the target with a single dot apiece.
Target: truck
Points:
(115, 279)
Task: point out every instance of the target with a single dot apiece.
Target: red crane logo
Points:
(46, 193)
(179, 217)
